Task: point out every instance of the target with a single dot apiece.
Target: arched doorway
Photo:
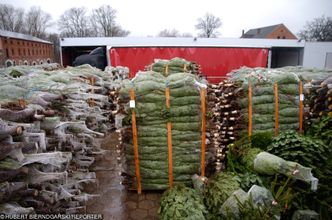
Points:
(9, 63)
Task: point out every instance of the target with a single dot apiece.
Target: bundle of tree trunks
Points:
(318, 99)
(51, 127)
(224, 123)
(275, 103)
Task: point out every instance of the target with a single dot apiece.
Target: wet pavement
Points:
(115, 201)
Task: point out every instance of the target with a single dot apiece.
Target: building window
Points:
(13, 52)
(48, 60)
(41, 62)
(7, 52)
(278, 37)
(283, 37)
(34, 63)
(25, 62)
(5, 41)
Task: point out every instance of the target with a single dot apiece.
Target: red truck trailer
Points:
(215, 62)
(217, 56)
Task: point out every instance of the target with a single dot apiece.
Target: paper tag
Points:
(314, 183)
(200, 84)
(132, 103)
(301, 97)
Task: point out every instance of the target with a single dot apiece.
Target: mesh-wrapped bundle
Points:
(152, 115)
(175, 65)
(50, 134)
(262, 82)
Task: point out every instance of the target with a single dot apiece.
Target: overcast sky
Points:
(148, 17)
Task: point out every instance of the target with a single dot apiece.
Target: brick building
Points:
(279, 31)
(21, 49)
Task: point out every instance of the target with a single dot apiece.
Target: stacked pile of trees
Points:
(51, 125)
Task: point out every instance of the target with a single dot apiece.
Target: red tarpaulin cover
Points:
(215, 62)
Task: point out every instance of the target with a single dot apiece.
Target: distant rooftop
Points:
(260, 32)
(22, 36)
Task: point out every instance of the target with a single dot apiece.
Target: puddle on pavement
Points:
(115, 202)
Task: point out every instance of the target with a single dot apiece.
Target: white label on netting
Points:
(314, 183)
(132, 103)
(301, 97)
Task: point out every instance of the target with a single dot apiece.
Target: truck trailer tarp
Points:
(215, 62)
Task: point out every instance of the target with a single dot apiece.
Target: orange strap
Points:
(166, 70)
(134, 128)
(169, 142)
(203, 110)
(301, 107)
(249, 110)
(276, 109)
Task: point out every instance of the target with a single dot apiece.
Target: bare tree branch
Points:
(11, 19)
(208, 25)
(169, 33)
(37, 21)
(319, 29)
(103, 20)
(117, 31)
(75, 23)
(186, 35)
(173, 33)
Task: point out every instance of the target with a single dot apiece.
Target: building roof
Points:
(15, 35)
(177, 42)
(260, 32)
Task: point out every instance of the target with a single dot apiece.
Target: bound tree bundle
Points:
(174, 65)
(275, 103)
(225, 118)
(152, 115)
(274, 98)
(318, 99)
(50, 129)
